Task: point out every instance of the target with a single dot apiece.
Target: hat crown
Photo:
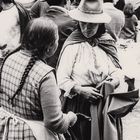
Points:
(91, 6)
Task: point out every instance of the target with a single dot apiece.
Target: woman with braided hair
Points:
(28, 87)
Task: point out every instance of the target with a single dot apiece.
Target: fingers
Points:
(94, 89)
(93, 98)
(98, 95)
(99, 85)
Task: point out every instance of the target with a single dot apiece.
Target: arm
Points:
(135, 20)
(64, 75)
(65, 68)
(54, 119)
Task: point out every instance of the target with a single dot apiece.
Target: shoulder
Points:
(106, 36)
(134, 17)
(107, 39)
(42, 68)
(71, 48)
(58, 9)
(23, 12)
(118, 13)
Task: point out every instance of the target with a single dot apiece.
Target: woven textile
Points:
(27, 103)
(8, 122)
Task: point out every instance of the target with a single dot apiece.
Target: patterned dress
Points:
(26, 104)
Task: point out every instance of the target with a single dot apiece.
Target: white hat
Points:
(90, 11)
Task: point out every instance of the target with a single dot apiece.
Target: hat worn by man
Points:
(90, 11)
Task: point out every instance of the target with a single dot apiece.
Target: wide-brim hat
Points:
(90, 11)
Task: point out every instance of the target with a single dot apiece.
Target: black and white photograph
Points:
(69, 69)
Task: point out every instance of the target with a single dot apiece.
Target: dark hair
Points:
(75, 2)
(39, 33)
(128, 10)
(108, 1)
(56, 2)
(120, 4)
(101, 30)
(8, 1)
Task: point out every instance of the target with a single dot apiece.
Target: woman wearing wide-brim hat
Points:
(88, 59)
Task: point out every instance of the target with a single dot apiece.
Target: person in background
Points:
(117, 19)
(13, 20)
(40, 7)
(66, 25)
(28, 85)
(59, 14)
(129, 31)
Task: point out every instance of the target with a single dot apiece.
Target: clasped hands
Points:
(93, 94)
(90, 93)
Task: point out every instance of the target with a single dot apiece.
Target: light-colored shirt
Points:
(82, 64)
(117, 19)
(9, 28)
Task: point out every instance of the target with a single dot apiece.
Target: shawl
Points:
(105, 42)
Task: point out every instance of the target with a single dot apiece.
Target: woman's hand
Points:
(89, 93)
(73, 118)
(114, 81)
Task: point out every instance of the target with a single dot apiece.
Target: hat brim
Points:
(89, 18)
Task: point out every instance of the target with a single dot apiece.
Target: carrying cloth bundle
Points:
(39, 131)
(110, 110)
(105, 115)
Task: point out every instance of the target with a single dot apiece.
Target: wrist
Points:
(72, 118)
(116, 82)
(77, 89)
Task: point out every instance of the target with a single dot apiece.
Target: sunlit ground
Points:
(130, 59)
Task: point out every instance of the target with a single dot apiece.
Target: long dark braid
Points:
(24, 76)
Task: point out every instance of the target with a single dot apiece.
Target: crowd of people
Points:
(60, 75)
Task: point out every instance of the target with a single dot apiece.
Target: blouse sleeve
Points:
(65, 69)
(54, 119)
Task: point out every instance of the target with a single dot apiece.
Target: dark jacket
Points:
(66, 26)
(24, 17)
